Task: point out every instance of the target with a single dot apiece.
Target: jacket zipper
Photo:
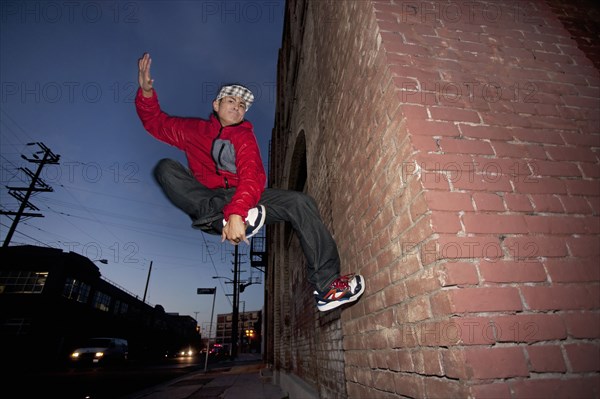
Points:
(212, 148)
(220, 153)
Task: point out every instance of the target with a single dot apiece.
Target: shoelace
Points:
(341, 283)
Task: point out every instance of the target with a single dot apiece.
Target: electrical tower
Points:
(42, 158)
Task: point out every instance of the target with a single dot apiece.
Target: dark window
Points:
(22, 282)
(101, 301)
(76, 290)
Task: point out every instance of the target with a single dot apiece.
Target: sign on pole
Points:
(206, 291)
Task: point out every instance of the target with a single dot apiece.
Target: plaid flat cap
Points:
(237, 91)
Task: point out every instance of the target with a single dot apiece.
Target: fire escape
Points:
(258, 253)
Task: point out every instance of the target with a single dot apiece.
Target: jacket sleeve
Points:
(168, 129)
(251, 177)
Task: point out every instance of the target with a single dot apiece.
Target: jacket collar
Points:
(216, 123)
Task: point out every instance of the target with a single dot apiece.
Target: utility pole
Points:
(147, 281)
(234, 316)
(36, 185)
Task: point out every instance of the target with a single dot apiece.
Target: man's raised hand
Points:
(145, 81)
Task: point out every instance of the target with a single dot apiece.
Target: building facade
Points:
(452, 148)
(249, 330)
(51, 302)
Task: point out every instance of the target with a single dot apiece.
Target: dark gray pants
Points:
(205, 207)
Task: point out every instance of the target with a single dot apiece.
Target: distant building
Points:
(249, 330)
(51, 301)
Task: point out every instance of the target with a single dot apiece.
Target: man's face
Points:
(231, 110)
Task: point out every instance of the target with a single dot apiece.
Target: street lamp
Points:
(227, 278)
(241, 284)
(208, 291)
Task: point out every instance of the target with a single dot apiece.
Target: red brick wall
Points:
(453, 150)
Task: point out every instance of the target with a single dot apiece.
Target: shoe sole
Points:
(335, 304)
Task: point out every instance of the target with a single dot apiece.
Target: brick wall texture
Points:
(453, 150)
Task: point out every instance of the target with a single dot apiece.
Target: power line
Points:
(31, 238)
(213, 265)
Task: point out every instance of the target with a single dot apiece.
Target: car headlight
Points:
(99, 354)
(75, 355)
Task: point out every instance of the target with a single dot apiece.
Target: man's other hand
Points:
(235, 230)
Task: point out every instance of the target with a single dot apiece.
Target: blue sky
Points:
(68, 75)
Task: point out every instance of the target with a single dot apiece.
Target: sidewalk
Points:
(247, 378)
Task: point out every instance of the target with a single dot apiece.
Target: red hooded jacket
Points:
(219, 157)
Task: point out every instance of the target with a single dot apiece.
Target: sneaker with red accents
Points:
(343, 290)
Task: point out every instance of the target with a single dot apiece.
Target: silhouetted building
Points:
(51, 301)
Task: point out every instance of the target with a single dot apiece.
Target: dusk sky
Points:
(68, 74)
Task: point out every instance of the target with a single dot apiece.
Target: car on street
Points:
(101, 350)
(185, 352)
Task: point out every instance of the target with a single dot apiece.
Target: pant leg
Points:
(203, 205)
(317, 243)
